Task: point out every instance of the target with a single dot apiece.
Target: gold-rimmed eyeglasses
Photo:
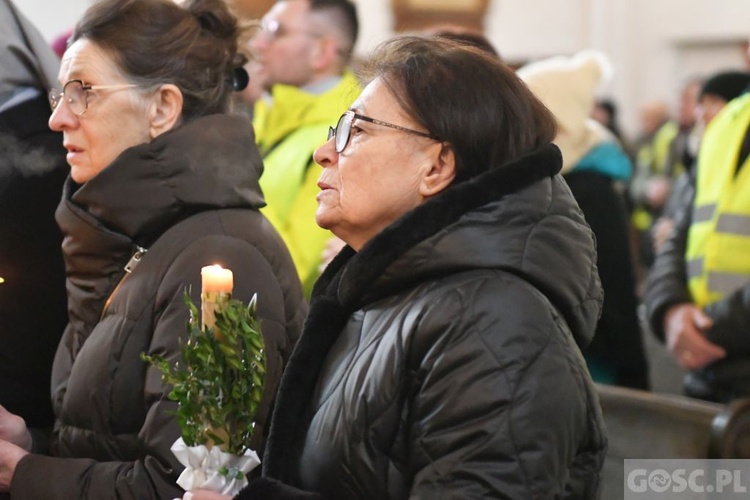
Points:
(343, 129)
(76, 92)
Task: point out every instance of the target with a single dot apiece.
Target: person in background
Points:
(244, 101)
(596, 168)
(717, 90)
(447, 332)
(658, 164)
(162, 182)
(698, 294)
(33, 304)
(464, 35)
(303, 51)
(60, 42)
(605, 112)
(715, 93)
(652, 116)
(681, 150)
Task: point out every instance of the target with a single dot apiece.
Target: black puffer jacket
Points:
(190, 197)
(32, 173)
(443, 361)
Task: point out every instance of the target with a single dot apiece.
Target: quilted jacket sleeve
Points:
(153, 474)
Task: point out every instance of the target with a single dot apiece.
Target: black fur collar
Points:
(346, 284)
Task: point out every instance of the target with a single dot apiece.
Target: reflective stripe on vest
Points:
(694, 268)
(726, 283)
(704, 213)
(718, 246)
(719, 282)
(733, 224)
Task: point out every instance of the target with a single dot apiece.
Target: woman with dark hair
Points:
(441, 357)
(163, 181)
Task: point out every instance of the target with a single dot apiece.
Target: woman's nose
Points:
(61, 116)
(326, 154)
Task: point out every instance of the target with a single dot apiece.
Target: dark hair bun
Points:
(240, 79)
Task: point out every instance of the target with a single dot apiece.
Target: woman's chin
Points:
(325, 215)
(322, 220)
(78, 174)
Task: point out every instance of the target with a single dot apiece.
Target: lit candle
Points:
(217, 284)
(216, 290)
(217, 279)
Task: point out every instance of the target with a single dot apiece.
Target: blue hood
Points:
(608, 159)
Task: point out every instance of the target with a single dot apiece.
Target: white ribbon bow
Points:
(213, 469)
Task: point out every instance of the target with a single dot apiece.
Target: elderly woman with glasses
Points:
(163, 181)
(441, 356)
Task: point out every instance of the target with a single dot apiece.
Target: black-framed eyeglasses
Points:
(343, 129)
(76, 94)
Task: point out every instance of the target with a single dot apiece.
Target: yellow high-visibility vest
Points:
(652, 157)
(718, 247)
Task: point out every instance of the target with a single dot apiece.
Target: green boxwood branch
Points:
(218, 384)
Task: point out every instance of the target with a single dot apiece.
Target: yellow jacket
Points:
(287, 133)
(718, 248)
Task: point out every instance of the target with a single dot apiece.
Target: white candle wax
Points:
(217, 284)
(217, 279)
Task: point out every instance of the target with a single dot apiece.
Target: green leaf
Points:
(218, 384)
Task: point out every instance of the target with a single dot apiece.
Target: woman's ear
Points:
(165, 109)
(441, 173)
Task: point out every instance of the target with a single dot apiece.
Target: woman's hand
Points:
(684, 328)
(205, 495)
(10, 455)
(13, 429)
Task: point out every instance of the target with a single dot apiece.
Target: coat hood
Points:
(607, 159)
(211, 162)
(520, 218)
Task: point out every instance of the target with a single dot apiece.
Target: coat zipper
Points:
(129, 268)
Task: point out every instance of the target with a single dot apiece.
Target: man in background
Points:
(303, 52)
(698, 294)
(658, 163)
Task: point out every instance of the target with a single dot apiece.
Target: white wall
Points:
(52, 17)
(654, 44)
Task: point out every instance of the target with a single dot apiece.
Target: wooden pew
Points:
(647, 425)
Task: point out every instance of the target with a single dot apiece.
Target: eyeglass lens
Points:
(343, 129)
(74, 93)
(271, 28)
